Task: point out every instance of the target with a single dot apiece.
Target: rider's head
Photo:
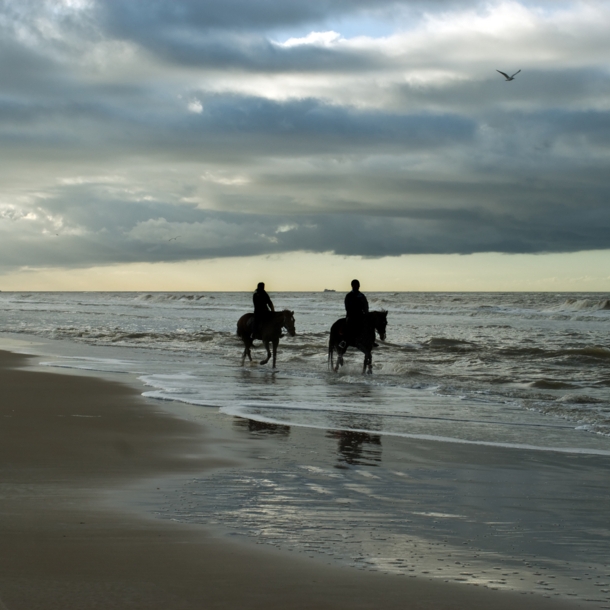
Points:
(260, 286)
(355, 284)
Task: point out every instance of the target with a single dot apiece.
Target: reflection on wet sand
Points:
(356, 448)
(261, 428)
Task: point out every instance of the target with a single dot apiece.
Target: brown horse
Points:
(270, 332)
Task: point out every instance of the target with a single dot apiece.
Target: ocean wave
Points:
(589, 351)
(589, 416)
(450, 345)
(105, 335)
(594, 351)
(165, 297)
(585, 304)
(580, 399)
(522, 351)
(550, 384)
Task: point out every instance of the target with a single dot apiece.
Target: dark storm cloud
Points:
(308, 126)
(131, 17)
(220, 51)
(144, 235)
(234, 125)
(235, 34)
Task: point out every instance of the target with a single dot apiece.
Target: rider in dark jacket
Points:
(263, 307)
(356, 308)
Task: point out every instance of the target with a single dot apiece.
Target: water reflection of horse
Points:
(261, 428)
(340, 340)
(357, 448)
(269, 332)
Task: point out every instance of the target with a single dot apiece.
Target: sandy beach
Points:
(69, 441)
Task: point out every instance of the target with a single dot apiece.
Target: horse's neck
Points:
(280, 318)
(375, 318)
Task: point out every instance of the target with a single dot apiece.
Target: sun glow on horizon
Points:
(303, 271)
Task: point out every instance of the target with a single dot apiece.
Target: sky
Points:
(212, 144)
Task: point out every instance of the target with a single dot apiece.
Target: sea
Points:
(478, 450)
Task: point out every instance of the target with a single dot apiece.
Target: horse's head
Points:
(288, 322)
(380, 319)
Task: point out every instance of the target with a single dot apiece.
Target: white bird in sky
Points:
(507, 77)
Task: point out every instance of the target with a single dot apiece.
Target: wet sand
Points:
(68, 442)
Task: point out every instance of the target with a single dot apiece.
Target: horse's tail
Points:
(331, 349)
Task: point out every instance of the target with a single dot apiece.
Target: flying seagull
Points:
(172, 238)
(507, 77)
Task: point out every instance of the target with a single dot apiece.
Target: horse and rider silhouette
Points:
(264, 324)
(357, 329)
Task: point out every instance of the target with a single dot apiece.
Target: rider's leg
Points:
(254, 327)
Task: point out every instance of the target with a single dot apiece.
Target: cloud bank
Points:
(140, 131)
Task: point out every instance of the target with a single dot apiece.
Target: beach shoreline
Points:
(68, 441)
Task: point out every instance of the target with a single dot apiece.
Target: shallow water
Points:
(525, 521)
(528, 369)
(478, 451)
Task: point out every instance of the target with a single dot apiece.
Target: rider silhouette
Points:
(263, 307)
(356, 308)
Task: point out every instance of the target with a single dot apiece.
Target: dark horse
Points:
(340, 341)
(270, 332)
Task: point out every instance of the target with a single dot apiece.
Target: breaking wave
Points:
(585, 304)
(443, 343)
(595, 351)
(549, 384)
(170, 297)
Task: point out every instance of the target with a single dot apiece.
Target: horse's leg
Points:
(340, 353)
(266, 343)
(367, 367)
(243, 356)
(247, 345)
(275, 342)
(332, 346)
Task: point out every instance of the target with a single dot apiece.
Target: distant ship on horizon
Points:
(329, 290)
